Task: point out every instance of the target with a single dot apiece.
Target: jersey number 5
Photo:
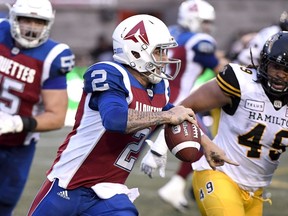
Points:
(11, 102)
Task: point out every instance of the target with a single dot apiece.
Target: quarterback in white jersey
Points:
(253, 130)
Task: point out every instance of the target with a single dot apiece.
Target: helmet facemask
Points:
(269, 82)
(31, 21)
(29, 35)
(208, 27)
(274, 57)
(157, 67)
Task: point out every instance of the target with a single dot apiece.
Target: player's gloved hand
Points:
(152, 161)
(10, 123)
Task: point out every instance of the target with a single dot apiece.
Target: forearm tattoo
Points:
(139, 120)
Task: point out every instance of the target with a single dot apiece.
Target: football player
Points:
(253, 130)
(33, 95)
(197, 50)
(122, 102)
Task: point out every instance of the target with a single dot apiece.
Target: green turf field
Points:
(148, 203)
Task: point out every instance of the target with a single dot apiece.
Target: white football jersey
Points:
(253, 131)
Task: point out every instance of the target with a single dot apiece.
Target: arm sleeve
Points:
(109, 95)
(61, 64)
(168, 106)
(113, 109)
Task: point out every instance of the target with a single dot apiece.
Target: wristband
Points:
(29, 123)
(155, 153)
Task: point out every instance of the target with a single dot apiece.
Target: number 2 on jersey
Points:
(100, 77)
(126, 160)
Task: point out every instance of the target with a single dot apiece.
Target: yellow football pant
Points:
(218, 195)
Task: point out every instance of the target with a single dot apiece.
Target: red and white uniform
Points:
(91, 155)
(24, 73)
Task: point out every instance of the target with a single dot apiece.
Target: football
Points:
(184, 141)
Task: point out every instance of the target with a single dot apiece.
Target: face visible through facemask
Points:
(277, 77)
(159, 56)
(31, 28)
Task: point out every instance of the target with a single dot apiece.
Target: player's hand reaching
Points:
(215, 156)
(10, 123)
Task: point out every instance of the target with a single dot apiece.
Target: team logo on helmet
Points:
(135, 31)
(194, 8)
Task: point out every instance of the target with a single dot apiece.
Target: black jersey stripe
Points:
(226, 87)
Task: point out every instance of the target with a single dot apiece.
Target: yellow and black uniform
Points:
(253, 131)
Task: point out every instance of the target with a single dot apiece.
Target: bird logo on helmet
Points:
(142, 33)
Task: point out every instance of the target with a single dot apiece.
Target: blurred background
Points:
(80, 23)
(87, 26)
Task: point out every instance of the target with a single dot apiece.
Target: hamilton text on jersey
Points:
(283, 122)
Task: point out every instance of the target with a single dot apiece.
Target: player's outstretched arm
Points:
(214, 154)
(138, 120)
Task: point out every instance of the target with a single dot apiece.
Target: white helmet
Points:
(39, 9)
(192, 14)
(134, 41)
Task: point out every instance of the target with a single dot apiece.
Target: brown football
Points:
(184, 141)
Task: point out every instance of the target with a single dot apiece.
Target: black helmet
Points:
(275, 50)
(283, 21)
